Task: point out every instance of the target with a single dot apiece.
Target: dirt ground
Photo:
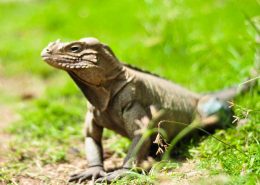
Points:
(7, 117)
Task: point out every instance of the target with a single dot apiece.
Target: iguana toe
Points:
(112, 176)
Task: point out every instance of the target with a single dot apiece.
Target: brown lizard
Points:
(120, 95)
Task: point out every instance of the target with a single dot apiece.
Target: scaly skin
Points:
(120, 96)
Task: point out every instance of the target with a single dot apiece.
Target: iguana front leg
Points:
(131, 115)
(94, 152)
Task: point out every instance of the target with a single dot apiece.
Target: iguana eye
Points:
(75, 48)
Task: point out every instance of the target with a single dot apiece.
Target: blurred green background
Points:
(203, 45)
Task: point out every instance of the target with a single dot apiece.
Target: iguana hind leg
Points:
(214, 113)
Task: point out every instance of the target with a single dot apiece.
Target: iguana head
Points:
(87, 58)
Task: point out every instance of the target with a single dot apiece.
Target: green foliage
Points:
(204, 45)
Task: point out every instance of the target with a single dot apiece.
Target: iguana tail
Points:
(231, 92)
(215, 105)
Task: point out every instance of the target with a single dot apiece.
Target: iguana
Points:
(120, 95)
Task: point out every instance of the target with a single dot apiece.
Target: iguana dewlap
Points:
(120, 96)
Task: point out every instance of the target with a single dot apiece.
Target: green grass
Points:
(203, 45)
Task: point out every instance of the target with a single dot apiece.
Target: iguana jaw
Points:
(63, 63)
(70, 56)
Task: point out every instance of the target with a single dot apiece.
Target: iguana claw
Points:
(113, 176)
(91, 173)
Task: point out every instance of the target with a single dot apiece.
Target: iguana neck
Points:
(100, 95)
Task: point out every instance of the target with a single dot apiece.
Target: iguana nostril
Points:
(48, 51)
(45, 52)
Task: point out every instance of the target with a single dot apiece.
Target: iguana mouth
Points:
(64, 63)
